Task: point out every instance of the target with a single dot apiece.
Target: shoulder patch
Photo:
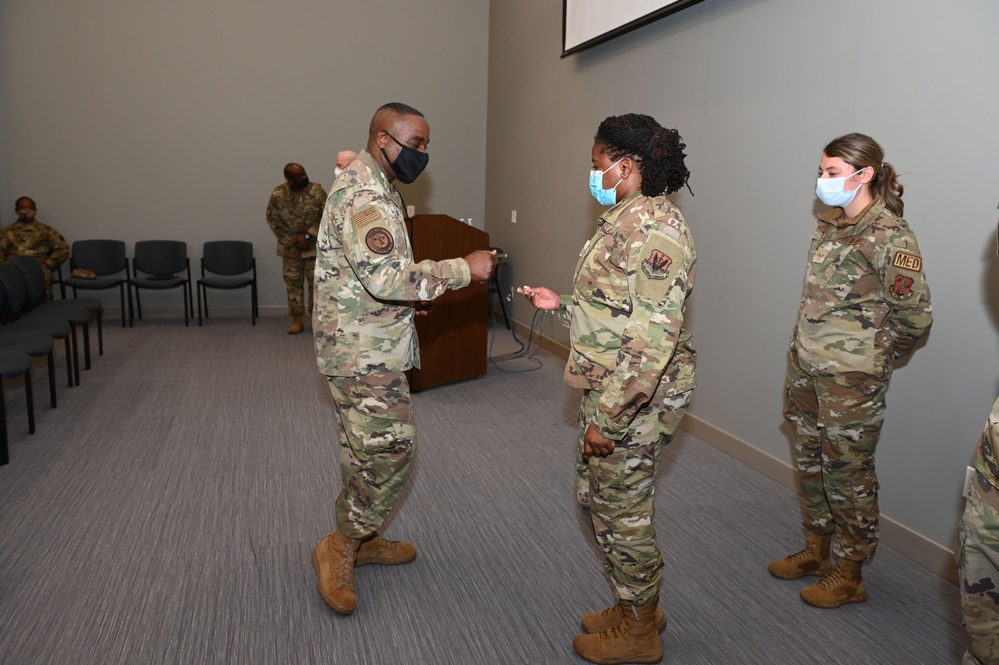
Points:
(904, 276)
(379, 240)
(907, 261)
(366, 215)
(659, 267)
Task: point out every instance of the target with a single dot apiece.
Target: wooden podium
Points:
(453, 337)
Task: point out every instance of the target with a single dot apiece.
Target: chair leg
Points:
(69, 363)
(186, 303)
(121, 291)
(4, 453)
(52, 387)
(138, 302)
(253, 303)
(100, 333)
(199, 305)
(76, 354)
(86, 344)
(30, 401)
(130, 313)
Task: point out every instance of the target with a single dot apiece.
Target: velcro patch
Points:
(907, 261)
(379, 240)
(365, 216)
(901, 288)
(658, 269)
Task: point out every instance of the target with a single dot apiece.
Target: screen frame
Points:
(617, 31)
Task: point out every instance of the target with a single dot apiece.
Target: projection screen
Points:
(586, 23)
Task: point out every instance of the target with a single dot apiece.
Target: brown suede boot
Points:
(634, 640)
(296, 324)
(813, 560)
(598, 622)
(376, 549)
(333, 560)
(843, 585)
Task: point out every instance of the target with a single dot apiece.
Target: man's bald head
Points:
(344, 158)
(388, 116)
(296, 176)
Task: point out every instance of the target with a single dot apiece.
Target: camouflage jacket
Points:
(986, 461)
(865, 300)
(626, 310)
(290, 211)
(34, 239)
(366, 280)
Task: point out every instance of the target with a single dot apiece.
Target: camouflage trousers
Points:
(836, 428)
(296, 272)
(978, 560)
(617, 493)
(377, 436)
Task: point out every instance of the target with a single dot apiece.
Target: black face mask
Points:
(301, 183)
(409, 164)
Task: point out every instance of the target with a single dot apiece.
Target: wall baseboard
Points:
(934, 557)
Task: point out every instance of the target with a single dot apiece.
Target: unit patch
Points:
(379, 241)
(658, 269)
(907, 261)
(366, 216)
(902, 287)
(657, 264)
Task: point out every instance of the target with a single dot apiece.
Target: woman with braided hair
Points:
(635, 364)
(864, 305)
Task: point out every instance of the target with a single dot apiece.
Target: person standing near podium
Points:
(368, 289)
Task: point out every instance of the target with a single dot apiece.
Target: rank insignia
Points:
(379, 241)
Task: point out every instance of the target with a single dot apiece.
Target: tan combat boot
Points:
(376, 549)
(843, 585)
(296, 324)
(333, 560)
(813, 560)
(598, 622)
(634, 640)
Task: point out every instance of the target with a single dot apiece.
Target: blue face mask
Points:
(605, 197)
(832, 191)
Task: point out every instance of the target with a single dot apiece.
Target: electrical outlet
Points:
(513, 216)
(969, 475)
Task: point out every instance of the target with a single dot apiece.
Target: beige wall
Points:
(756, 88)
(143, 120)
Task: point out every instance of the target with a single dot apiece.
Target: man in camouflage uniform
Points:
(29, 237)
(367, 286)
(295, 207)
(865, 304)
(978, 551)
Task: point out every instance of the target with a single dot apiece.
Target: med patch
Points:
(659, 267)
(904, 276)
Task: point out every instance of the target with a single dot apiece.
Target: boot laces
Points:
(345, 571)
(832, 579)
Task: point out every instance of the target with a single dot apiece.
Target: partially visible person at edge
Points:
(29, 237)
(634, 362)
(368, 288)
(978, 551)
(864, 305)
(343, 160)
(295, 207)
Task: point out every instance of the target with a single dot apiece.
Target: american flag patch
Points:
(366, 216)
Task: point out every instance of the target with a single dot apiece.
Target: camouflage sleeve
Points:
(565, 308)
(659, 269)
(908, 295)
(60, 250)
(274, 221)
(377, 248)
(316, 214)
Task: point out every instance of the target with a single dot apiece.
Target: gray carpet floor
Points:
(166, 511)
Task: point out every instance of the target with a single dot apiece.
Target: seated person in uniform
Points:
(29, 237)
